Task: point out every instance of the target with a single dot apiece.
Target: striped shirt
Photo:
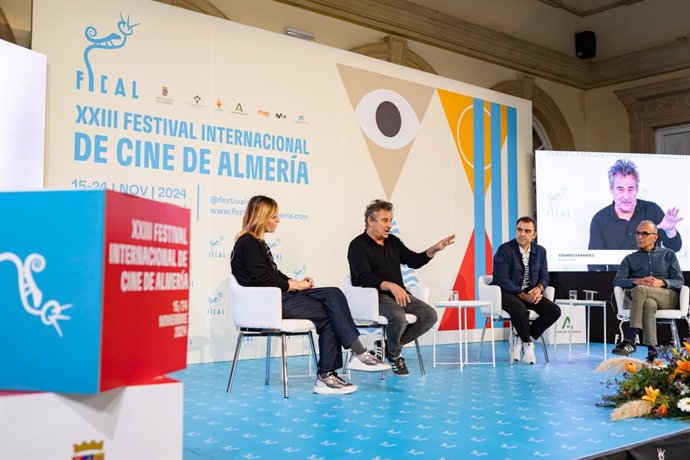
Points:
(525, 262)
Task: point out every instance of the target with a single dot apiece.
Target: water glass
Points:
(572, 294)
(454, 296)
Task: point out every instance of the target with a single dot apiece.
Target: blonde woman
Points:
(253, 265)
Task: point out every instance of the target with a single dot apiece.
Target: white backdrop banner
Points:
(161, 102)
(22, 117)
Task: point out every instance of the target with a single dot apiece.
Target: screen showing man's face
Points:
(624, 190)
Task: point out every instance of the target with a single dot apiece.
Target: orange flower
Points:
(658, 364)
(630, 367)
(661, 411)
(683, 367)
(651, 394)
(686, 345)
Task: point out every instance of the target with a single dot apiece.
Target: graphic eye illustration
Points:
(387, 119)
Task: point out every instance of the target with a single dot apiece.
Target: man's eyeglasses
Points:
(644, 234)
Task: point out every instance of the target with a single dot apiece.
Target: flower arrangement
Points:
(657, 389)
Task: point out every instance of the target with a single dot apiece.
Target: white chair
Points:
(493, 294)
(258, 311)
(364, 307)
(662, 316)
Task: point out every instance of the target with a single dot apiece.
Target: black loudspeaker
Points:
(585, 44)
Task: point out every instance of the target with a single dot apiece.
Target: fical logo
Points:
(214, 309)
(555, 210)
(112, 41)
(50, 312)
(272, 246)
(214, 250)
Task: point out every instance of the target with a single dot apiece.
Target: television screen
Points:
(590, 203)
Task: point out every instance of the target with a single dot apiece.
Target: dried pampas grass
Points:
(618, 365)
(632, 409)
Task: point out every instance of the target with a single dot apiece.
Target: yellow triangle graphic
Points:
(459, 110)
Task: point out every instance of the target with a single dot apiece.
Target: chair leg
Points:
(419, 357)
(284, 370)
(268, 358)
(511, 342)
(383, 349)
(620, 328)
(674, 332)
(313, 352)
(481, 340)
(543, 344)
(346, 361)
(234, 363)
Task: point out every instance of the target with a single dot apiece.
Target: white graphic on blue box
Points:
(50, 312)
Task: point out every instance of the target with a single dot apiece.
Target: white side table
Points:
(582, 303)
(463, 338)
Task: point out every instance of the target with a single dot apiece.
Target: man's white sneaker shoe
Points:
(528, 353)
(516, 351)
(367, 362)
(333, 384)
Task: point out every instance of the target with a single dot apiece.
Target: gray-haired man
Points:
(614, 226)
(375, 257)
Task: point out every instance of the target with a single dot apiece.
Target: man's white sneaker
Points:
(367, 362)
(528, 353)
(332, 384)
(516, 351)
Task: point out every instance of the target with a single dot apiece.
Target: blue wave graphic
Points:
(409, 274)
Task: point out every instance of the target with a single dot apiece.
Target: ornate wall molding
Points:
(414, 22)
(544, 109)
(200, 6)
(394, 49)
(654, 106)
(584, 12)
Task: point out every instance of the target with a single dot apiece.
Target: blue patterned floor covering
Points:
(506, 412)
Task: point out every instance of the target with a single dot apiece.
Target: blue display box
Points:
(75, 320)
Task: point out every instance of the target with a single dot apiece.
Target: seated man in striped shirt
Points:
(653, 277)
(522, 273)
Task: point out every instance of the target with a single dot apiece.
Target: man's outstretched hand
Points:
(441, 245)
(669, 222)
